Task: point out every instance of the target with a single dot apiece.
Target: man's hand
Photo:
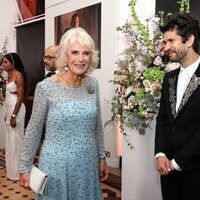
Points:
(164, 165)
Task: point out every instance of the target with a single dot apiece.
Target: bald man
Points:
(49, 59)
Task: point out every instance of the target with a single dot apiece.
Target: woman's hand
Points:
(103, 170)
(24, 180)
(13, 122)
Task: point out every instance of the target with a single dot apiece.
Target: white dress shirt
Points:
(184, 78)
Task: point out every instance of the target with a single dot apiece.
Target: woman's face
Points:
(78, 59)
(75, 23)
(7, 66)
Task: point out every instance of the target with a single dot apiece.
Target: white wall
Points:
(8, 15)
(109, 46)
(140, 180)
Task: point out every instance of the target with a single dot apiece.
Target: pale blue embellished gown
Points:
(73, 140)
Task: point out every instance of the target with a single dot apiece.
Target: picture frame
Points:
(89, 18)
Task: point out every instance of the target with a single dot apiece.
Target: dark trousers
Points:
(184, 185)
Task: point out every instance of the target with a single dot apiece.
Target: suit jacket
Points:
(178, 133)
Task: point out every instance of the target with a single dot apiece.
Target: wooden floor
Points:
(12, 191)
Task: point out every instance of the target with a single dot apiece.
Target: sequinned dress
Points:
(14, 136)
(73, 140)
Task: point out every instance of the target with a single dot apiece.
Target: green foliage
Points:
(154, 74)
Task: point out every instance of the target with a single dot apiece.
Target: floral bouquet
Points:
(3, 78)
(3, 74)
(141, 68)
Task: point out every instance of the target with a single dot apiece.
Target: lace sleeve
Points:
(34, 129)
(99, 127)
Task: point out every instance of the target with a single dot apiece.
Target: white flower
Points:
(147, 84)
(131, 99)
(128, 91)
(171, 66)
(139, 64)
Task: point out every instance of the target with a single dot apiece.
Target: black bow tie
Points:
(50, 74)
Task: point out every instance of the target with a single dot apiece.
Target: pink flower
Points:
(136, 87)
(159, 46)
(155, 90)
(137, 75)
(158, 61)
(141, 102)
(4, 75)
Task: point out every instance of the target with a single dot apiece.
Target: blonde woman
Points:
(68, 103)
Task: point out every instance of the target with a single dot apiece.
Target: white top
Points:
(184, 78)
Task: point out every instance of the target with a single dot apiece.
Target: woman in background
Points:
(75, 22)
(68, 103)
(15, 112)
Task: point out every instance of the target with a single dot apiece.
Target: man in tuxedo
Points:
(177, 141)
(49, 60)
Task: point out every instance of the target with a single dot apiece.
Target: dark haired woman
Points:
(15, 112)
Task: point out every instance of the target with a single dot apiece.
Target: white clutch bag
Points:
(38, 180)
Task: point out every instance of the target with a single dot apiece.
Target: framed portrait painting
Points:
(88, 18)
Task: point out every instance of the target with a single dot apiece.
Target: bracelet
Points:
(13, 115)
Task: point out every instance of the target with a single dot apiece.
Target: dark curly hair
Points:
(16, 61)
(185, 25)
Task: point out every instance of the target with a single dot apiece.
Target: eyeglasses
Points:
(48, 58)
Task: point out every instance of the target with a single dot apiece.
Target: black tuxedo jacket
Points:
(178, 133)
(49, 74)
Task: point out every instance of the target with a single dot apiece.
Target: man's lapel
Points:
(172, 91)
(191, 88)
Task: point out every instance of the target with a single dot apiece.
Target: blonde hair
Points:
(68, 39)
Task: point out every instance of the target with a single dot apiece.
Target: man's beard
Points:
(178, 56)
